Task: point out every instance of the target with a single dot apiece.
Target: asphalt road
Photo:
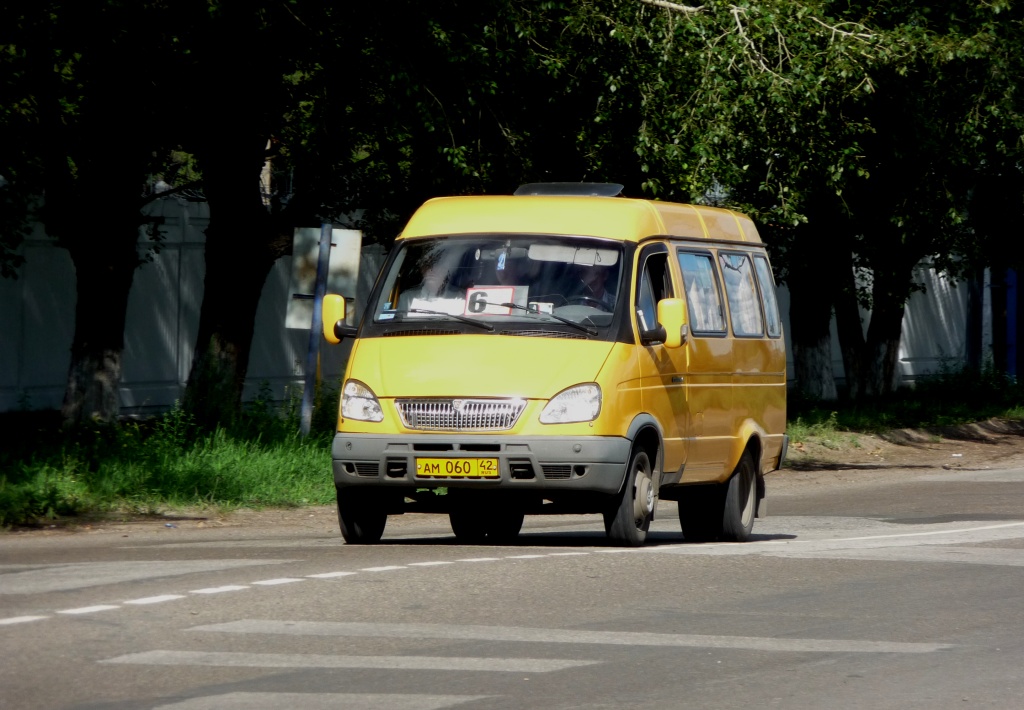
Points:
(904, 591)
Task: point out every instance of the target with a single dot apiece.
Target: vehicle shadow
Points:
(565, 539)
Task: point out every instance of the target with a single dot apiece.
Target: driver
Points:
(594, 282)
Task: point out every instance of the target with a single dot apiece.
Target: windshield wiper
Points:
(579, 326)
(463, 319)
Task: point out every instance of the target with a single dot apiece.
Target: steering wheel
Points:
(589, 301)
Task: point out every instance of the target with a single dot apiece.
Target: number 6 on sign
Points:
(484, 300)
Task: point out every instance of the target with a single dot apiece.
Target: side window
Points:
(768, 300)
(655, 284)
(703, 299)
(740, 289)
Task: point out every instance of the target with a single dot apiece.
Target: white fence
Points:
(37, 313)
(37, 318)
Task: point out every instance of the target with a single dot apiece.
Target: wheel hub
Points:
(643, 502)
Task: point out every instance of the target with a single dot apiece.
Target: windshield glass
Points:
(497, 280)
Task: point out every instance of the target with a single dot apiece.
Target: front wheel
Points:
(361, 516)
(628, 520)
(474, 526)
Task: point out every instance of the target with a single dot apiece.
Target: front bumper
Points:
(539, 463)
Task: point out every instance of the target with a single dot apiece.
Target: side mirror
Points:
(672, 316)
(653, 335)
(332, 312)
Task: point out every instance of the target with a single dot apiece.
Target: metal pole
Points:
(313, 353)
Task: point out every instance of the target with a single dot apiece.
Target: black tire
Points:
(721, 512)
(360, 516)
(740, 501)
(700, 513)
(629, 517)
(504, 526)
(476, 527)
(468, 525)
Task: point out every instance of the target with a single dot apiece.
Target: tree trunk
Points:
(881, 375)
(810, 319)
(241, 247)
(850, 328)
(871, 362)
(104, 280)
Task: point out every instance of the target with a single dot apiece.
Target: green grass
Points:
(826, 432)
(166, 463)
(948, 399)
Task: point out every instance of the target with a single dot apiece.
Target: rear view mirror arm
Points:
(342, 331)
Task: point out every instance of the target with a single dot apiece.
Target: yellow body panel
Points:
(492, 366)
(475, 365)
(613, 218)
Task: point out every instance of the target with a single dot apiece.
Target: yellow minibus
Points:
(563, 350)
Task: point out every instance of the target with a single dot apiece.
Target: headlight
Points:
(359, 402)
(581, 403)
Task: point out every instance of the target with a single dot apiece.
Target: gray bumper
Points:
(595, 463)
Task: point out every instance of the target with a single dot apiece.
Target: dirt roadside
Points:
(848, 459)
(990, 445)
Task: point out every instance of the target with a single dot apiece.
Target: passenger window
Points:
(703, 299)
(768, 299)
(744, 305)
(655, 284)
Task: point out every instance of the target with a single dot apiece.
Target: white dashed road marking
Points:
(435, 563)
(89, 609)
(936, 544)
(329, 575)
(78, 575)
(275, 582)
(21, 620)
(220, 590)
(157, 599)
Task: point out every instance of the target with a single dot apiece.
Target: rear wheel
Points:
(722, 512)
(740, 501)
(628, 520)
(361, 516)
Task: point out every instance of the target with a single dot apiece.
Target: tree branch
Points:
(865, 36)
(443, 113)
(753, 53)
(676, 7)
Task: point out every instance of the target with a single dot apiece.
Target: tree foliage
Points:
(863, 136)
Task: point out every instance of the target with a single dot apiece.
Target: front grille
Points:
(460, 414)
(419, 331)
(556, 471)
(367, 468)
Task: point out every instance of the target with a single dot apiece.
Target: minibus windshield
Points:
(500, 280)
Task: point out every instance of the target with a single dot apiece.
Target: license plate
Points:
(457, 468)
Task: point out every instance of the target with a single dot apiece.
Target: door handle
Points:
(678, 379)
